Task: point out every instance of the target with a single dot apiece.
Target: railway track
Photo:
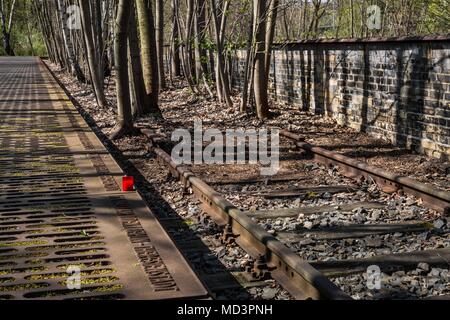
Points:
(320, 227)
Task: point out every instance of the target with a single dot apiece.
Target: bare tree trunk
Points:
(136, 65)
(47, 9)
(56, 21)
(160, 42)
(248, 65)
(111, 32)
(188, 39)
(200, 53)
(73, 62)
(223, 23)
(45, 31)
(286, 26)
(7, 27)
(338, 24)
(305, 18)
(176, 63)
(149, 56)
(352, 19)
(260, 80)
(86, 20)
(30, 41)
(125, 119)
(103, 68)
(270, 33)
(186, 54)
(225, 90)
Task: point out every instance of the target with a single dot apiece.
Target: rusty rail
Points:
(433, 198)
(296, 276)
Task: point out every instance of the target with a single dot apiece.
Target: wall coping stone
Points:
(363, 40)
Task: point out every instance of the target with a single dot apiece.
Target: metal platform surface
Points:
(62, 208)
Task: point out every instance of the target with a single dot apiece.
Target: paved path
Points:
(62, 210)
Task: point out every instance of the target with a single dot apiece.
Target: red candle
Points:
(127, 184)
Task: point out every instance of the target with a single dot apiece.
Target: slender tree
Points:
(149, 56)
(223, 88)
(91, 50)
(7, 24)
(260, 79)
(200, 28)
(73, 61)
(270, 33)
(175, 43)
(248, 74)
(125, 119)
(159, 8)
(136, 75)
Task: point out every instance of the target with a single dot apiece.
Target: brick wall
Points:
(398, 89)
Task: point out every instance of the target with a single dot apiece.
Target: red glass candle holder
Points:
(127, 184)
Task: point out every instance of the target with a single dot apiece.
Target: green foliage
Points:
(204, 60)
(208, 44)
(330, 19)
(25, 24)
(22, 46)
(400, 18)
(438, 16)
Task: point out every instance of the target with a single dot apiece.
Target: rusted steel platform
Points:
(62, 207)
